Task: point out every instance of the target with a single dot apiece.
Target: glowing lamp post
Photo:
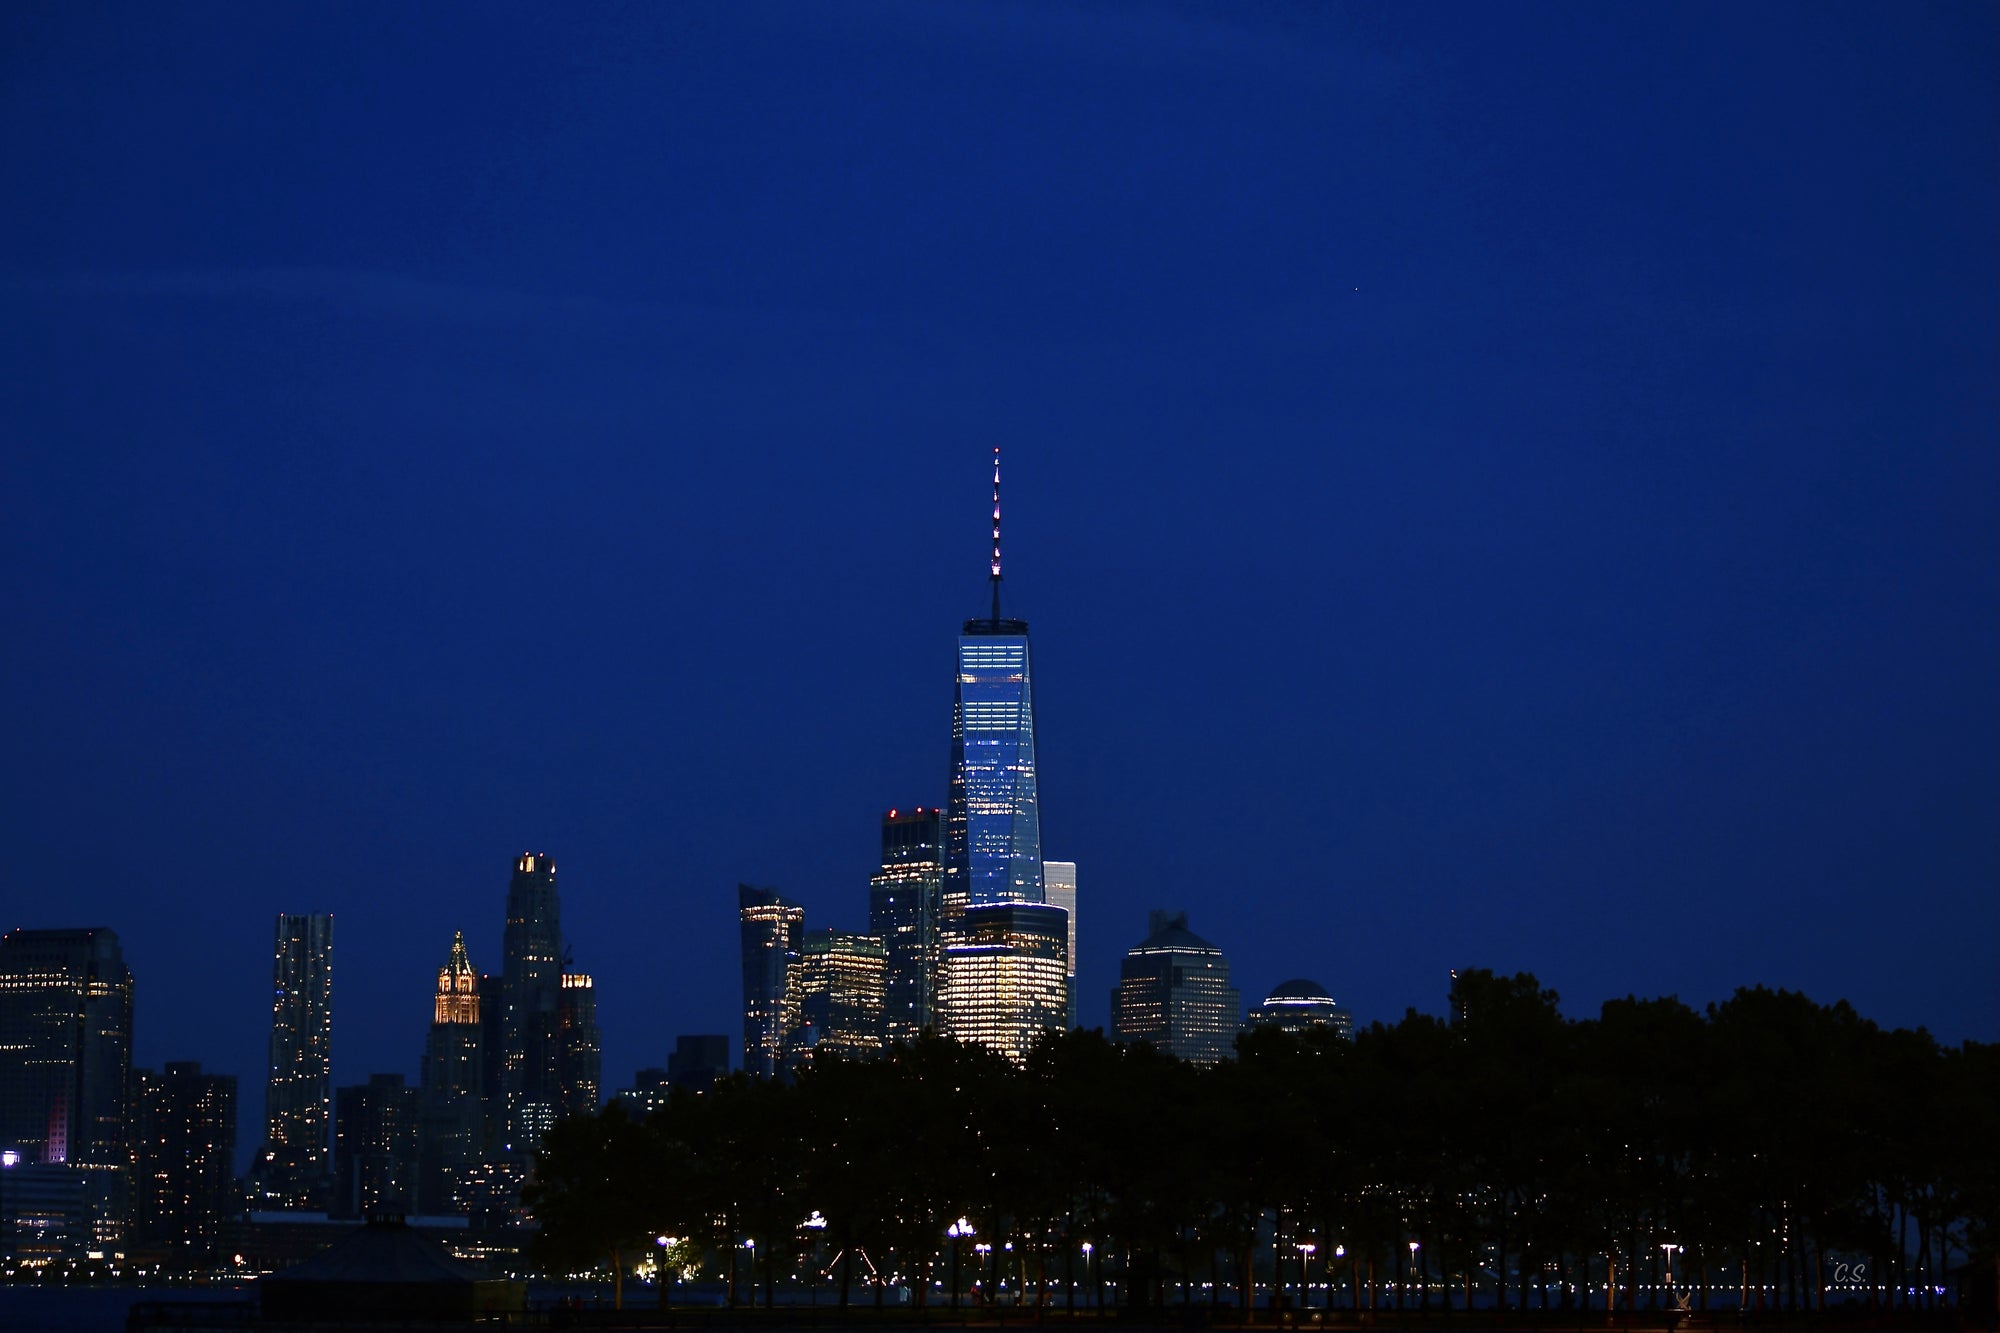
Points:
(1089, 1273)
(958, 1231)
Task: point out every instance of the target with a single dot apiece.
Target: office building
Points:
(905, 904)
(65, 1079)
(698, 1061)
(1299, 1006)
(451, 1130)
(993, 832)
(183, 1162)
(1173, 991)
(1006, 976)
(842, 978)
(530, 1001)
(375, 1147)
(293, 1169)
(582, 1064)
(771, 927)
(1059, 885)
(651, 1090)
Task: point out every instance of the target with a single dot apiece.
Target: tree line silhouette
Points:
(1509, 1157)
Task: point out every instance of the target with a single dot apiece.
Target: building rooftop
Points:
(1170, 934)
(1297, 989)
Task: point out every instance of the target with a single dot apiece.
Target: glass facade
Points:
(771, 927)
(842, 978)
(1006, 976)
(1173, 991)
(905, 904)
(993, 827)
(1059, 883)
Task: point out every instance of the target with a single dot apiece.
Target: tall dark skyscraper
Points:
(65, 1076)
(582, 1062)
(375, 1147)
(183, 1162)
(772, 928)
(294, 1170)
(905, 903)
(1173, 991)
(993, 828)
(531, 1004)
(450, 1117)
(698, 1060)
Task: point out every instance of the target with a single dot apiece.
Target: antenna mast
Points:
(996, 533)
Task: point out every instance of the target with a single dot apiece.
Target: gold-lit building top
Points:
(458, 987)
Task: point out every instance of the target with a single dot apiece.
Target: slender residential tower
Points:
(295, 1170)
(1006, 951)
(531, 1003)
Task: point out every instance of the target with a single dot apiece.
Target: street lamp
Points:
(1414, 1247)
(660, 1272)
(982, 1249)
(1096, 1291)
(958, 1231)
(1305, 1249)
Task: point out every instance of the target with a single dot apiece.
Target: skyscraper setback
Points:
(294, 1169)
(993, 830)
(905, 902)
(1006, 952)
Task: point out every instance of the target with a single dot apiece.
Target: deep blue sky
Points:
(1507, 485)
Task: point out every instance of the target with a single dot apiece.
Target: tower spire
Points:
(996, 532)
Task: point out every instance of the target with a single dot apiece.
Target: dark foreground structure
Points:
(384, 1275)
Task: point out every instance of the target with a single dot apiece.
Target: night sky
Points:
(1495, 485)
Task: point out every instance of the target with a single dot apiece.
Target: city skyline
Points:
(1538, 527)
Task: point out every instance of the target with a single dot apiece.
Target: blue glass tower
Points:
(993, 827)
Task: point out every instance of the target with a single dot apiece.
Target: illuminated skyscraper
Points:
(183, 1161)
(65, 1074)
(1174, 992)
(1006, 976)
(1299, 1006)
(530, 1003)
(582, 1072)
(905, 899)
(993, 829)
(450, 1117)
(842, 978)
(771, 928)
(1059, 883)
(294, 1169)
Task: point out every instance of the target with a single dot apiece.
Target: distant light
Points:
(10, 1158)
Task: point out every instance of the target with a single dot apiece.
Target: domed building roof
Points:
(1298, 989)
